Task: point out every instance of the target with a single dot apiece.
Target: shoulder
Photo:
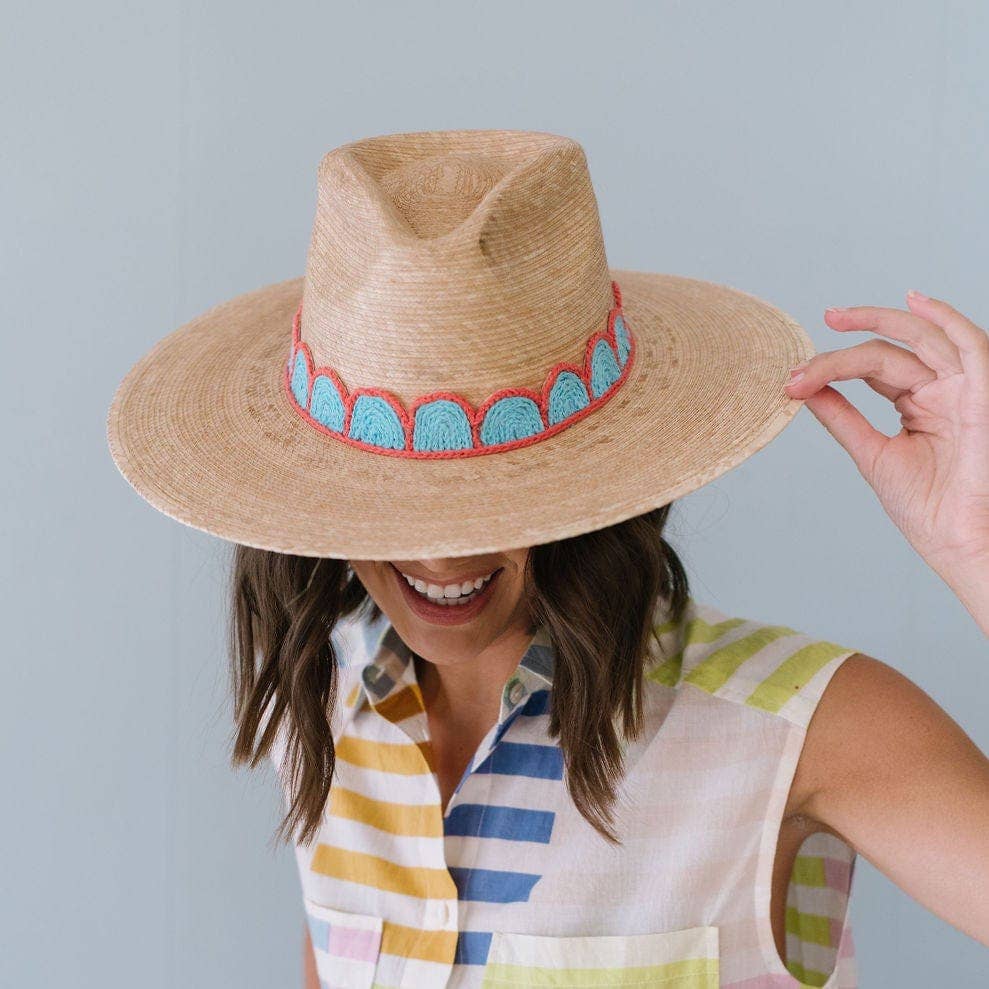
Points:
(873, 728)
(771, 667)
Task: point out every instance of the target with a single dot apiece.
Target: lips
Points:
(444, 614)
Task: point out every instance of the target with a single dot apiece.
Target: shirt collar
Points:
(384, 665)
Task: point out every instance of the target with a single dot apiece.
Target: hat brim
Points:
(202, 429)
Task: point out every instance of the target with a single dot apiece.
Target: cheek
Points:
(515, 591)
(375, 577)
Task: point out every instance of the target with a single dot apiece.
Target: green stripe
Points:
(702, 973)
(659, 630)
(668, 671)
(808, 870)
(714, 672)
(792, 674)
(809, 926)
(697, 630)
(806, 975)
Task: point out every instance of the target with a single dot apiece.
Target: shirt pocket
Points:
(346, 945)
(683, 959)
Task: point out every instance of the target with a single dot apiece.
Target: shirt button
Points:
(515, 691)
(440, 912)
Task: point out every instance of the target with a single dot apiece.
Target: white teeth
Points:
(449, 593)
(455, 602)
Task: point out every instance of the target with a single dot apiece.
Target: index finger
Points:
(928, 340)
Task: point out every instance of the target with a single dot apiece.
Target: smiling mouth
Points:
(453, 594)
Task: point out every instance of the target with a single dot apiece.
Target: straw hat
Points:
(458, 371)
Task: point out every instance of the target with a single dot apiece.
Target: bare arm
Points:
(895, 776)
(310, 980)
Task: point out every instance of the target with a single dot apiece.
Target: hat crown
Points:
(463, 260)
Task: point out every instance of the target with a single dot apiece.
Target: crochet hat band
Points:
(443, 423)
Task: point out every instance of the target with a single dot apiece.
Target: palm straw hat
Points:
(458, 371)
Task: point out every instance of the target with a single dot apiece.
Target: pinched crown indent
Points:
(444, 424)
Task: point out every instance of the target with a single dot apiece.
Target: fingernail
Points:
(914, 294)
(796, 377)
(835, 309)
(797, 367)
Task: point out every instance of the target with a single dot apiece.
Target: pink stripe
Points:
(351, 942)
(763, 982)
(835, 926)
(837, 873)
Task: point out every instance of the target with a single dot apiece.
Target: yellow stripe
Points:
(808, 870)
(713, 673)
(809, 926)
(352, 696)
(402, 704)
(421, 820)
(370, 870)
(410, 942)
(792, 674)
(405, 758)
(692, 973)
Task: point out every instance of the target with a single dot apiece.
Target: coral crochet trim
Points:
(443, 424)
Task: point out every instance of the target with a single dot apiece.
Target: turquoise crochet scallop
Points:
(441, 425)
(326, 406)
(604, 368)
(621, 336)
(567, 396)
(374, 421)
(511, 418)
(300, 380)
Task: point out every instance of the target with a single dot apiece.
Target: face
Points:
(444, 615)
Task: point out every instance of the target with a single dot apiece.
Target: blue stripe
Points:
(543, 762)
(495, 821)
(472, 948)
(538, 703)
(493, 885)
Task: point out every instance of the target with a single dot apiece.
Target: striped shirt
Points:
(512, 887)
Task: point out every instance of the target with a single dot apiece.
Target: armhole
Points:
(819, 944)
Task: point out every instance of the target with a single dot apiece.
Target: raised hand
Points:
(932, 477)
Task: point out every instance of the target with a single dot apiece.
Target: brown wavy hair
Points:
(597, 594)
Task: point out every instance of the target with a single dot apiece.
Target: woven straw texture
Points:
(466, 261)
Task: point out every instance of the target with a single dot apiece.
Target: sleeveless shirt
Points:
(512, 887)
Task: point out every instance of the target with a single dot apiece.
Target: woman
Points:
(514, 750)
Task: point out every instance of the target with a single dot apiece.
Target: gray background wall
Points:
(161, 158)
